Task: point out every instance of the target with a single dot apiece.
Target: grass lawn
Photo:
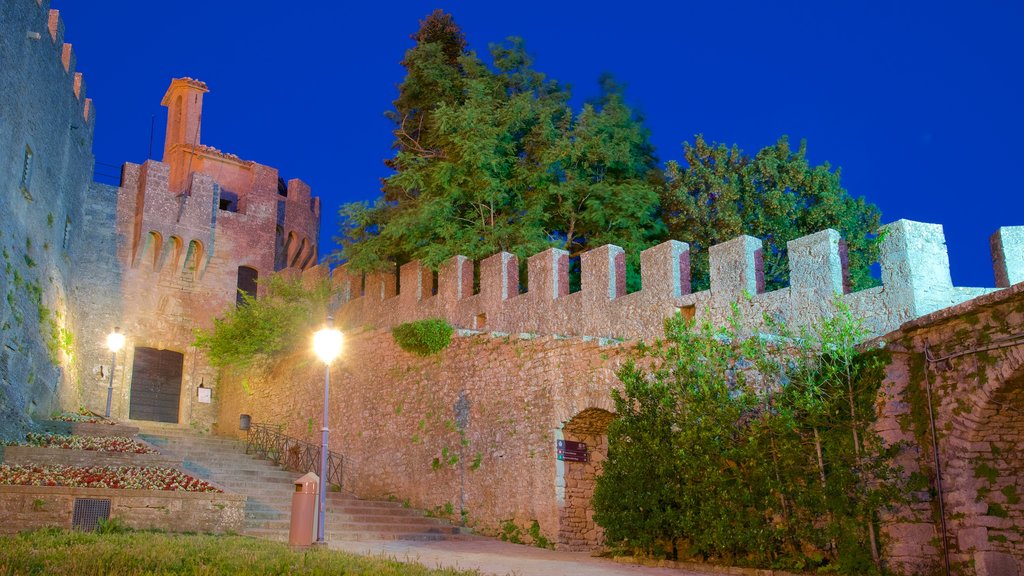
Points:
(54, 551)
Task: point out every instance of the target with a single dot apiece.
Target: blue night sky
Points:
(919, 103)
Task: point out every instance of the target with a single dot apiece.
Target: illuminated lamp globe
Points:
(327, 343)
(115, 341)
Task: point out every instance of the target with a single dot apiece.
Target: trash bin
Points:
(303, 511)
(243, 421)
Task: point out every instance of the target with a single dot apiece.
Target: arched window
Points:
(246, 284)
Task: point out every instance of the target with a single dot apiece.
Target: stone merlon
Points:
(913, 259)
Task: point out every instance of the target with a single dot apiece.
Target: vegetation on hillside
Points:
(756, 451)
(492, 158)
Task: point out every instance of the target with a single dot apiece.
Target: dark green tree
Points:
(434, 76)
(776, 196)
(507, 166)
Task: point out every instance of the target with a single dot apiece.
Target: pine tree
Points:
(776, 196)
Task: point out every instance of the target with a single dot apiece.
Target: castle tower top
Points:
(184, 103)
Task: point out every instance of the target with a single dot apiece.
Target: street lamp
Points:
(115, 341)
(327, 345)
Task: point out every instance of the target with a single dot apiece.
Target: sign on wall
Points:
(569, 451)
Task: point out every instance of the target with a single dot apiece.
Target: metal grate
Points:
(88, 513)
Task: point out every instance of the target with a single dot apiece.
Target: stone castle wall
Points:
(393, 416)
(971, 360)
(915, 282)
(173, 253)
(158, 256)
(46, 163)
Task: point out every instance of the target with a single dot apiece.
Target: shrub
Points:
(423, 337)
(756, 451)
(269, 327)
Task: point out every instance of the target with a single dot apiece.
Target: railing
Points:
(268, 442)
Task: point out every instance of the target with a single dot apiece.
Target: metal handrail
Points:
(267, 441)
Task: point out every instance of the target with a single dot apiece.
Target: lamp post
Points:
(327, 345)
(115, 341)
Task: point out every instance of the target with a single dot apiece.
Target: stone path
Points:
(496, 558)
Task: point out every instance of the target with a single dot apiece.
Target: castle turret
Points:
(184, 103)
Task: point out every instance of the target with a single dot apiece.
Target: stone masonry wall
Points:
(393, 414)
(34, 507)
(46, 161)
(971, 357)
(169, 242)
(915, 282)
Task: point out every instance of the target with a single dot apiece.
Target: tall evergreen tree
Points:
(505, 165)
(434, 76)
(776, 196)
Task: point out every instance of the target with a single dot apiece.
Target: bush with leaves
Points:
(423, 337)
(755, 451)
(262, 329)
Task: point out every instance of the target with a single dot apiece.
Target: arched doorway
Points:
(156, 385)
(987, 466)
(576, 527)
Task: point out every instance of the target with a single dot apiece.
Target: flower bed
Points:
(55, 449)
(99, 443)
(85, 418)
(121, 477)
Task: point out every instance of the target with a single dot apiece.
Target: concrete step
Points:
(269, 490)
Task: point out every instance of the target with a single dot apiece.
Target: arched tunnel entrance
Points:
(576, 527)
(986, 467)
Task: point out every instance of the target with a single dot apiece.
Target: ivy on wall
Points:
(753, 451)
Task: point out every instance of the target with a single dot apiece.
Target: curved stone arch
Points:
(291, 247)
(193, 263)
(600, 398)
(300, 254)
(152, 249)
(981, 460)
(575, 480)
(307, 257)
(172, 252)
(993, 392)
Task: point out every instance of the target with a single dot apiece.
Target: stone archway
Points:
(986, 476)
(576, 527)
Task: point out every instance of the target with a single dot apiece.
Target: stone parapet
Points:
(913, 260)
(64, 52)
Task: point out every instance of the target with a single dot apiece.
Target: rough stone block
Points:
(915, 268)
(548, 274)
(499, 277)
(1008, 255)
(603, 275)
(455, 279)
(665, 269)
(382, 285)
(973, 538)
(817, 269)
(416, 283)
(995, 564)
(737, 267)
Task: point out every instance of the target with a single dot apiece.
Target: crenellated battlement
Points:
(913, 259)
(48, 24)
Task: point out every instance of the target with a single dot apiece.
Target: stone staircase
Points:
(269, 489)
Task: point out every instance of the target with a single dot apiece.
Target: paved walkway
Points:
(496, 558)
